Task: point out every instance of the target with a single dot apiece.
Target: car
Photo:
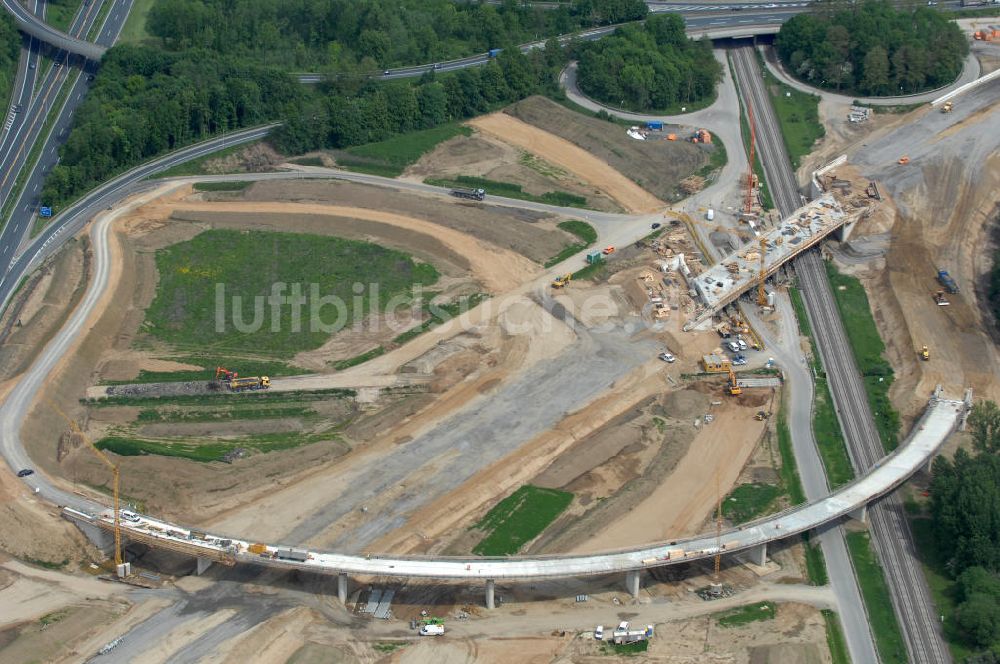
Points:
(31, 65)
(129, 516)
(24, 472)
(733, 346)
(599, 632)
(656, 225)
(90, 77)
(739, 360)
(742, 344)
(432, 630)
(667, 357)
(385, 73)
(608, 250)
(437, 65)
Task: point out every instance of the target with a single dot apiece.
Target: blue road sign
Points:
(45, 211)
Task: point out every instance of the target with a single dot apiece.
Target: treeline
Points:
(345, 36)
(965, 505)
(649, 67)
(146, 102)
(10, 50)
(873, 49)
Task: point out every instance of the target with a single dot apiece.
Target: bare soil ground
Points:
(657, 166)
(531, 234)
(489, 157)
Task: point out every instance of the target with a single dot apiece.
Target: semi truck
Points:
(474, 194)
(946, 280)
(249, 383)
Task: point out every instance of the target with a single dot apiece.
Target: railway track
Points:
(891, 536)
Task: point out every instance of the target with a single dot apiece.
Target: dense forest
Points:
(873, 49)
(221, 65)
(650, 66)
(965, 504)
(10, 48)
(345, 36)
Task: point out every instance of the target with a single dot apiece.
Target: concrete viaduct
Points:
(36, 27)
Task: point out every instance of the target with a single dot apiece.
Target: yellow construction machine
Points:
(734, 387)
(925, 353)
(562, 280)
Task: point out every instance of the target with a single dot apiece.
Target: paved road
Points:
(30, 23)
(23, 88)
(890, 533)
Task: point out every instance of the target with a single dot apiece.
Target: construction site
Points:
(513, 395)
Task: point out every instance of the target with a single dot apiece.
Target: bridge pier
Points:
(490, 591)
(342, 587)
(632, 583)
(860, 514)
(100, 538)
(757, 555)
(202, 565)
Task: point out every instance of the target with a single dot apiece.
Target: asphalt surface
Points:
(31, 23)
(15, 156)
(890, 533)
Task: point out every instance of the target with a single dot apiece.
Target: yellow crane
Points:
(115, 474)
(762, 275)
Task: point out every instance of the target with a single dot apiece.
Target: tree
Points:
(979, 617)
(984, 421)
(875, 71)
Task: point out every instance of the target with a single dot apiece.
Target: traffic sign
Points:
(45, 211)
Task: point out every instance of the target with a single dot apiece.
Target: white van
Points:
(432, 630)
(129, 516)
(599, 632)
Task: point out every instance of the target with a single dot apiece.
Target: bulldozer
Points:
(940, 299)
(925, 353)
(761, 415)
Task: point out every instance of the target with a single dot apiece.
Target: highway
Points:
(30, 23)
(891, 538)
(13, 161)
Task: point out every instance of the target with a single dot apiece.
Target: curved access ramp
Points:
(938, 421)
(36, 27)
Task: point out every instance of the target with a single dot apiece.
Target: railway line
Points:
(891, 536)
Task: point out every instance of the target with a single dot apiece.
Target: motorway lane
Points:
(24, 84)
(890, 533)
(28, 22)
(22, 217)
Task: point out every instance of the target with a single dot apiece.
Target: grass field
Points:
(829, 437)
(359, 359)
(582, 230)
(134, 29)
(391, 157)
(207, 451)
(519, 518)
(748, 501)
(437, 314)
(835, 638)
(789, 471)
(869, 352)
(196, 307)
(508, 190)
(815, 563)
(799, 305)
(746, 614)
(881, 616)
(234, 185)
(59, 13)
(262, 399)
(153, 415)
(798, 116)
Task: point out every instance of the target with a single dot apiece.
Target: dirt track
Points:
(561, 152)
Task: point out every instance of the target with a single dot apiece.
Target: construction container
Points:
(654, 125)
(671, 137)
(257, 548)
(594, 257)
(716, 363)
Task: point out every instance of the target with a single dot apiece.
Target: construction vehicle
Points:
(562, 280)
(925, 353)
(121, 569)
(761, 415)
(225, 375)
(250, 383)
(903, 160)
(940, 299)
(432, 630)
(608, 250)
(734, 386)
(947, 107)
(701, 136)
(947, 281)
(473, 194)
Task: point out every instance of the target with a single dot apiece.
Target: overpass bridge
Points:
(36, 27)
(941, 417)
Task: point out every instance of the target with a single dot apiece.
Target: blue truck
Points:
(946, 280)
(493, 52)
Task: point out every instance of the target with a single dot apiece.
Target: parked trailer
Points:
(474, 194)
(292, 554)
(947, 281)
(250, 383)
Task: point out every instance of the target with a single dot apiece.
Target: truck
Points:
(473, 194)
(946, 280)
(493, 52)
(249, 383)
(432, 630)
(297, 555)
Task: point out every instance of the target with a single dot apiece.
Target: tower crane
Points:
(75, 428)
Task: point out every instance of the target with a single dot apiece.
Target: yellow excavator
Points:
(925, 353)
(734, 387)
(562, 280)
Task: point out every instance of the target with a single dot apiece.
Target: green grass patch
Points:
(582, 230)
(197, 166)
(205, 452)
(594, 271)
(798, 116)
(307, 161)
(234, 185)
(716, 160)
(874, 590)
(748, 501)
(815, 562)
(187, 314)
(134, 29)
(59, 14)
(799, 305)
(390, 646)
(439, 313)
(156, 415)
(835, 638)
(391, 157)
(746, 614)
(626, 649)
(509, 190)
(243, 366)
(47, 564)
(829, 437)
(869, 352)
(789, 471)
(519, 518)
(358, 359)
(222, 399)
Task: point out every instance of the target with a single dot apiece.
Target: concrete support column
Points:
(632, 583)
(100, 538)
(490, 590)
(203, 564)
(758, 555)
(342, 587)
(860, 514)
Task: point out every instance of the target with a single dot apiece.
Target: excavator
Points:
(562, 280)
(225, 375)
(925, 353)
(734, 387)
